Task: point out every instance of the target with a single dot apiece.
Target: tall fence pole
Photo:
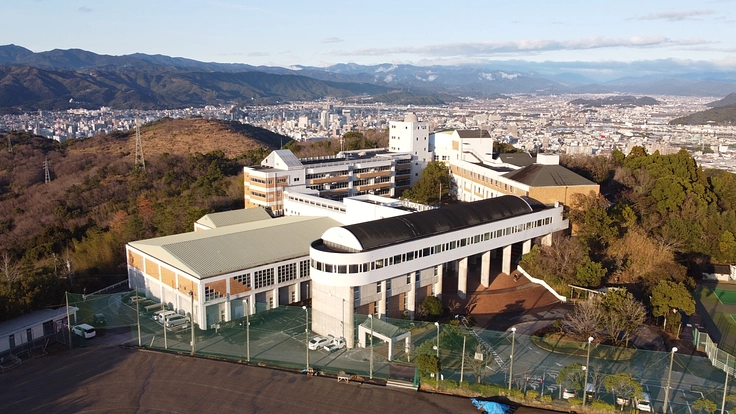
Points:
(725, 388)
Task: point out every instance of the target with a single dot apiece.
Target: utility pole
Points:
(46, 174)
(139, 160)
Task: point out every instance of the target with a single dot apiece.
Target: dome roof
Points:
(411, 117)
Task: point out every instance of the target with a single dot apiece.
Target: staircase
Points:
(486, 345)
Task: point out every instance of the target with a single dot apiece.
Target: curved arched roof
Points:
(393, 230)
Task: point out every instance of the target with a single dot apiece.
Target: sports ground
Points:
(716, 303)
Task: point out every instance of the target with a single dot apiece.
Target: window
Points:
(211, 294)
(353, 268)
(262, 278)
(287, 272)
(342, 268)
(378, 287)
(356, 293)
(408, 279)
(243, 279)
(388, 285)
(304, 268)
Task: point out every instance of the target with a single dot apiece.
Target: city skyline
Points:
(599, 40)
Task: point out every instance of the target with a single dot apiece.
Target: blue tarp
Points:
(490, 406)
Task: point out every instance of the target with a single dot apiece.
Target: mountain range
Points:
(61, 79)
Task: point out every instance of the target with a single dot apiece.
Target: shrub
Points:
(465, 385)
(546, 398)
(515, 393)
(575, 401)
(450, 384)
(602, 406)
(532, 395)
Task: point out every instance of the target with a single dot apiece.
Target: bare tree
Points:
(476, 366)
(584, 319)
(10, 269)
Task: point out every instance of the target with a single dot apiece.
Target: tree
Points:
(669, 298)
(435, 179)
(621, 314)
(476, 366)
(589, 273)
(623, 385)
(705, 405)
(10, 269)
(451, 338)
(572, 376)
(584, 319)
(432, 305)
(429, 364)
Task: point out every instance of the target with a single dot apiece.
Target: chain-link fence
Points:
(280, 338)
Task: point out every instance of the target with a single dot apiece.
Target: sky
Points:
(568, 34)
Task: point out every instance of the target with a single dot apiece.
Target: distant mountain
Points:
(60, 79)
(728, 100)
(722, 115)
(28, 88)
(624, 101)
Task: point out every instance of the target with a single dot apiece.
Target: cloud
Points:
(332, 40)
(480, 49)
(675, 15)
(257, 54)
(84, 9)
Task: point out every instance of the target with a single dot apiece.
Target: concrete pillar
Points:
(407, 348)
(412, 299)
(391, 349)
(382, 302)
(547, 240)
(297, 292)
(462, 278)
(275, 299)
(526, 246)
(228, 309)
(506, 260)
(485, 269)
(438, 284)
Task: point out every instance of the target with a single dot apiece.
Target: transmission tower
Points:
(47, 176)
(139, 160)
(10, 144)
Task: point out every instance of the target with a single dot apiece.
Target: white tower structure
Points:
(411, 136)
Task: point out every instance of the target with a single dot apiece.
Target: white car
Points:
(84, 330)
(320, 341)
(335, 345)
(568, 393)
(644, 404)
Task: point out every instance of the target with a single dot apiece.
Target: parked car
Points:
(644, 403)
(320, 341)
(134, 299)
(84, 330)
(569, 393)
(174, 320)
(335, 345)
(623, 401)
(160, 315)
(100, 319)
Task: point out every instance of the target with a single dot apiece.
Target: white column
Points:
(547, 240)
(228, 309)
(382, 302)
(275, 298)
(252, 304)
(485, 269)
(462, 278)
(391, 350)
(506, 260)
(297, 291)
(438, 284)
(411, 300)
(526, 247)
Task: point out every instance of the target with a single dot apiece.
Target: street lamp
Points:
(371, 345)
(587, 368)
(669, 377)
(306, 332)
(511, 359)
(437, 324)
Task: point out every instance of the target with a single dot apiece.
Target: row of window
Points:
(317, 203)
(427, 251)
(265, 277)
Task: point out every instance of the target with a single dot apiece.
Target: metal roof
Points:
(473, 133)
(520, 159)
(539, 175)
(32, 319)
(205, 254)
(288, 158)
(394, 230)
(228, 218)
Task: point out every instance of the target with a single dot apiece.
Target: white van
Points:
(161, 315)
(175, 320)
(644, 403)
(84, 330)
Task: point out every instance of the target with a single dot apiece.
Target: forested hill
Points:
(98, 200)
(721, 115)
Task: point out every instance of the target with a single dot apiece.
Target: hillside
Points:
(722, 115)
(730, 99)
(97, 200)
(25, 88)
(624, 101)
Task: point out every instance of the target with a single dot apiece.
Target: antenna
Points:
(139, 160)
(47, 176)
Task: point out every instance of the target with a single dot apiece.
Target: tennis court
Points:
(727, 297)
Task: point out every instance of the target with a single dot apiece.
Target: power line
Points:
(47, 176)
(139, 160)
